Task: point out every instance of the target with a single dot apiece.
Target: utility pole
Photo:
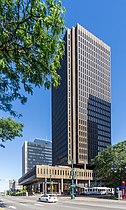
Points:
(73, 185)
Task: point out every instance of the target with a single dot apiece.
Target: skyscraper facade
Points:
(81, 105)
(35, 153)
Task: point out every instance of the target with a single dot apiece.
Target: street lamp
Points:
(73, 185)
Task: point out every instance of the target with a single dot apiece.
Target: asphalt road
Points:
(64, 203)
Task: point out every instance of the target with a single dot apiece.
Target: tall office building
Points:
(81, 105)
(35, 153)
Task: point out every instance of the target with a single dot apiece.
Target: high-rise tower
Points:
(81, 105)
(35, 153)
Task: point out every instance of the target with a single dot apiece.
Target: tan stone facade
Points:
(40, 178)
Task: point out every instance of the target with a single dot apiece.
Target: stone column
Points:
(38, 187)
(59, 188)
(61, 185)
(89, 183)
(43, 187)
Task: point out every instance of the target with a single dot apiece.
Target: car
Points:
(51, 198)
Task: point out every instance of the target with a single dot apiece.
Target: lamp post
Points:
(73, 185)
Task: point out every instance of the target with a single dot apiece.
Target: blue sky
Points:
(107, 20)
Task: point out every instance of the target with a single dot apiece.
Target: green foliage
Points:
(22, 191)
(31, 47)
(110, 164)
(11, 193)
(9, 129)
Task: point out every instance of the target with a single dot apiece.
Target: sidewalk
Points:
(88, 198)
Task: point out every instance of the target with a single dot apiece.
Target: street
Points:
(80, 203)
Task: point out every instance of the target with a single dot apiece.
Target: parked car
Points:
(51, 198)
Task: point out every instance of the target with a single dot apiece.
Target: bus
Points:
(98, 191)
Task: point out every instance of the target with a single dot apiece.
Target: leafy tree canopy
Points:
(9, 129)
(110, 164)
(31, 47)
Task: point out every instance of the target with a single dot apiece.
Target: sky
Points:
(106, 19)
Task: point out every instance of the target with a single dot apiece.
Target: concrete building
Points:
(56, 179)
(81, 105)
(35, 153)
(14, 185)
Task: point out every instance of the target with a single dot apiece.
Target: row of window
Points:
(100, 149)
(82, 122)
(100, 116)
(99, 110)
(94, 81)
(95, 90)
(93, 71)
(94, 65)
(82, 145)
(92, 41)
(37, 146)
(99, 127)
(87, 53)
(102, 138)
(89, 76)
(95, 54)
(99, 103)
(83, 157)
(92, 86)
(89, 71)
(83, 140)
(82, 116)
(103, 144)
(81, 133)
(96, 120)
(103, 133)
(63, 172)
(40, 153)
(82, 128)
(81, 110)
(82, 151)
(103, 128)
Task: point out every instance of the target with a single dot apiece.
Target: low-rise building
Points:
(58, 179)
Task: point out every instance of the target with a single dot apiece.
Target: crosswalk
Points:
(12, 207)
(38, 204)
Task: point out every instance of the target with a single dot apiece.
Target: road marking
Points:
(38, 204)
(12, 207)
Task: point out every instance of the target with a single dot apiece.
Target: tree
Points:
(110, 164)
(31, 48)
(9, 129)
(22, 191)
